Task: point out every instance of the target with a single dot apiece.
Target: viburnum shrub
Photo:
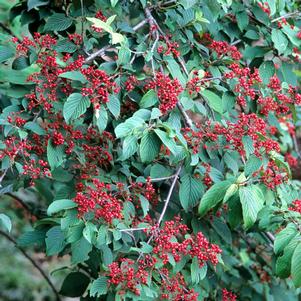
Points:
(159, 136)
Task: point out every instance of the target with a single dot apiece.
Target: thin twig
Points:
(172, 186)
(102, 51)
(133, 229)
(187, 119)
(139, 25)
(288, 15)
(166, 202)
(296, 146)
(21, 202)
(36, 265)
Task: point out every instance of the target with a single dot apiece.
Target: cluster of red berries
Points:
(175, 287)
(169, 48)
(99, 15)
(245, 82)
(265, 7)
(167, 89)
(36, 169)
(228, 295)
(97, 199)
(128, 274)
(296, 206)
(197, 246)
(131, 83)
(223, 48)
(99, 86)
(291, 160)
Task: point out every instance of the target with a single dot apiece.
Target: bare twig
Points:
(102, 51)
(133, 229)
(288, 15)
(166, 202)
(139, 25)
(35, 264)
(187, 119)
(172, 186)
(296, 145)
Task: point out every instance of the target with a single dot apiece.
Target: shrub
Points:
(160, 136)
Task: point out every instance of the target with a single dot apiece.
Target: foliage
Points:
(159, 138)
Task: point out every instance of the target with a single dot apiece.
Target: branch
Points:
(102, 51)
(169, 195)
(20, 201)
(36, 265)
(187, 119)
(165, 206)
(288, 15)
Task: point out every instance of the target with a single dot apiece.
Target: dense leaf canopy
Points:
(157, 139)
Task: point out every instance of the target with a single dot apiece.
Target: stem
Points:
(169, 195)
(297, 13)
(36, 265)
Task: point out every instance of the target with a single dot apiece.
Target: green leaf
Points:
(175, 70)
(125, 128)
(99, 287)
(101, 118)
(279, 39)
(101, 24)
(213, 196)
(75, 284)
(129, 147)
(214, 101)
(58, 22)
(222, 230)
(5, 222)
(34, 127)
(74, 75)
(230, 192)
(149, 147)
(253, 164)
(6, 52)
(89, 232)
(296, 266)
(36, 3)
(242, 20)
(114, 105)
(197, 273)
(283, 238)
(144, 204)
(31, 238)
(284, 262)
(60, 205)
(266, 71)
(18, 77)
(190, 192)
(149, 99)
(75, 106)
(55, 241)
(80, 251)
(252, 200)
(167, 141)
(248, 145)
(55, 154)
(65, 45)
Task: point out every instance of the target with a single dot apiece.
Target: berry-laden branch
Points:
(155, 27)
(36, 265)
(166, 202)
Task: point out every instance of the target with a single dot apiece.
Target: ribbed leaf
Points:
(75, 106)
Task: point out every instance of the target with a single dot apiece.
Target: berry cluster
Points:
(296, 206)
(167, 89)
(98, 200)
(228, 296)
(222, 48)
